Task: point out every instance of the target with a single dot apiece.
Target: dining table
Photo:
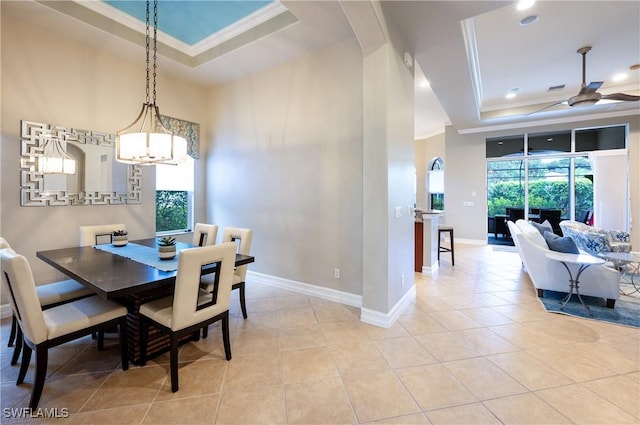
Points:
(127, 277)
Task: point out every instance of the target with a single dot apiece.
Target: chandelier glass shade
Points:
(147, 141)
(146, 145)
(54, 159)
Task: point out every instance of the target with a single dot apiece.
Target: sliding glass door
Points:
(552, 175)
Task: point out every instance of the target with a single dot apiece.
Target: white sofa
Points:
(546, 274)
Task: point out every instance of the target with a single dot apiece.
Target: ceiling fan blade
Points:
(621, 96)
(548, 107)
(591, 88)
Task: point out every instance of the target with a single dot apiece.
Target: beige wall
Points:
(466, 173)
(50, 78)
(286, 160)
(388, 179)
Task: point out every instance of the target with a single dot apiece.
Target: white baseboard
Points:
(429, 270)
(373, 317)
(386, 320)
(307, 289)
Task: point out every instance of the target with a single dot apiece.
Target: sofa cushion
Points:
(531, 233)
(545, 226)
(561, 244)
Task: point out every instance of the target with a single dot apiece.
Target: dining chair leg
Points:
(144, 337)
(24, 366)
(174, 363)
(12, 335)
(243, 304)
(42, 358)
(100, 341)
(225, 335)
(18, 347)
(124, 355)
(205, 332)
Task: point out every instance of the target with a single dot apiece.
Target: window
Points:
(174, 197)
(540, 173)
(436, 184)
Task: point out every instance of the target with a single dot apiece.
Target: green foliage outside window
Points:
(543, 194)
(437, 201)
(171, 210)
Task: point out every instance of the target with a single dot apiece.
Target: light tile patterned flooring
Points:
(475, 347)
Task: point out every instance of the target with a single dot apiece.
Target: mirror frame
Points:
(32, 181)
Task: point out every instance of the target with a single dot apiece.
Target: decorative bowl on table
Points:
(166, 248)
(119, 238)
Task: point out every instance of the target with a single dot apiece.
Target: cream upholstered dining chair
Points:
(44, 329)
(242, 237)
(205, 234)
(98, 234)
(190, 308)
(49, 295)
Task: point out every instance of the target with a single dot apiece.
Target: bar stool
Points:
(445, 229)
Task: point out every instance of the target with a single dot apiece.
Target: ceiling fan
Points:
(588, 95)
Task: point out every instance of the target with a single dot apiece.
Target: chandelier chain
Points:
(147, 49)
(155, 50)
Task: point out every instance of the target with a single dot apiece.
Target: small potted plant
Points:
(119, 237)
(166, 248)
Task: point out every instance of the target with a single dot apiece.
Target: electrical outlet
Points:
(336, 273)
(402, 280)
(398, 212)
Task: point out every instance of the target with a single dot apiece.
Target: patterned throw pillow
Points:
(560, 244)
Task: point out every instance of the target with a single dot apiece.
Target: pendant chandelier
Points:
(147, 141)
(54, 159)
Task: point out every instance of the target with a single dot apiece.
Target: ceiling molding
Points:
(366, 25)
(553, 121)
(471, 46)
(245, 24)
(101, 15)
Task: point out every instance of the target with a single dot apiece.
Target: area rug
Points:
(626, 311)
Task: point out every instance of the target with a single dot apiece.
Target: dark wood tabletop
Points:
(112, 276)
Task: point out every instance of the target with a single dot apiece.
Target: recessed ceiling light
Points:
(525, 4)
(529, 20)
(424, 84)
(510, 95)
(621, 76)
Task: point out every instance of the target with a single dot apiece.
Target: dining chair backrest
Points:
(515, 214)
(186, 307)
(242, 237)
(98, 234)
(205, 234)
(19, 283)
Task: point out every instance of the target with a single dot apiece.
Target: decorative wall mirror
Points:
(98, 179)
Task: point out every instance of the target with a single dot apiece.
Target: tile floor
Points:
(475, 347)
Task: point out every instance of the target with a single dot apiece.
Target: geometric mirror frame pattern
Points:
(32, 192)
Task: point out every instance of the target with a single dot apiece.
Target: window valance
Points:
(189, 130)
